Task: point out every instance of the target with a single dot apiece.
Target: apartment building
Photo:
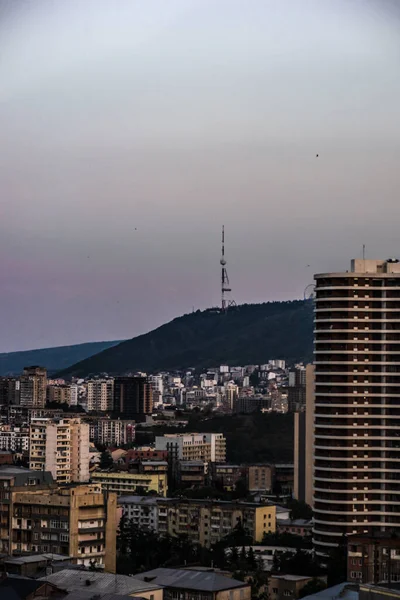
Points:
(14, 479)
(9, 391)
(260, 478)
(60, 446)
(208, 521)
(304, 443)
(357, 396)
(226, 476)
(373, 558)
(192, 473)
(33, 387)
(197, 584)
(286, 586)
(14, 439)
(140, 510)
(207, 447)
(77, 521)
(60, 393)
(133, 397)
(112, 432)
(100, 395)
(122, 482)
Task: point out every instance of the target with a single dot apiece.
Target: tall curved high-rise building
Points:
(357, 402)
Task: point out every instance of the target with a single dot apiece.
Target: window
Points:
(275, 590)
(287, 593)
(64, 537)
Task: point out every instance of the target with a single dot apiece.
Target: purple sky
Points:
(130, 131)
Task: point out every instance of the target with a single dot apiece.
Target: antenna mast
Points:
(225, 289)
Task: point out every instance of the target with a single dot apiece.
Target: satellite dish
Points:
(309, 292)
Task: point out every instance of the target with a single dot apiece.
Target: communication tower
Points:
(226, 301)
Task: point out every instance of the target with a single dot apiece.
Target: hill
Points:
(54, 359)
(248, 334)
(249, 438)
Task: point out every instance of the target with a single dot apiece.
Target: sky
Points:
(130, 131)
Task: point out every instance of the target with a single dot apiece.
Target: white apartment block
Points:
(60, 446)
(100, 395)
(208, 447)
(142, 511)
(14, 439)
(112, 432)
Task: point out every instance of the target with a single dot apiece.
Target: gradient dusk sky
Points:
(130, 131)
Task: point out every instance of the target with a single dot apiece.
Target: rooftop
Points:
(72, 580)
(33, 558)
(344, 591)
(291, 577)
(87, 595)
(138, 499)
(207, 581)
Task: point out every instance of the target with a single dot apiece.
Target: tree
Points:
(312, 587)
(106, 461)
(337, 563)
(251, 559)
(300, 510)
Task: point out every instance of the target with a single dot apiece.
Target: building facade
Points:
(357, 402)
(14, 439)
(78, 521)
(33, 387)
(60, 446)
(140, 510)
(133, 397)
(373, 558)
(112, 432)
(207, 447)
(260, 478)
(100, 395)
(60, 393)
(122, 482)
(208, 521)
(9, 391)
(14, 479)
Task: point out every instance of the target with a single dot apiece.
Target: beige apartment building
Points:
(357, 402)
(100, 395)
(122, 482)
(207, 447)
(77, 521)
(61, 394)
(33, 387)
(60, 446)
(207, 521)
(260, 478)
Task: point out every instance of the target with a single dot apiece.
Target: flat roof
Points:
(191, 579)
(32, 558)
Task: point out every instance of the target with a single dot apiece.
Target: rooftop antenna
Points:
(363, 251)
(225, 289)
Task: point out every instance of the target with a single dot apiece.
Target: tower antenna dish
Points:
(309, 292)
(226, 301)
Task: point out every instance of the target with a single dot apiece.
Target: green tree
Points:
(106, 461)
(312, 587)
(337, 563)
(300, 510)
(251, 559)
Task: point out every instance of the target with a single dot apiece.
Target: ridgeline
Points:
(248, 334)
(54, 359)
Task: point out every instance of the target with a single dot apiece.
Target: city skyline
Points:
(130, 136)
